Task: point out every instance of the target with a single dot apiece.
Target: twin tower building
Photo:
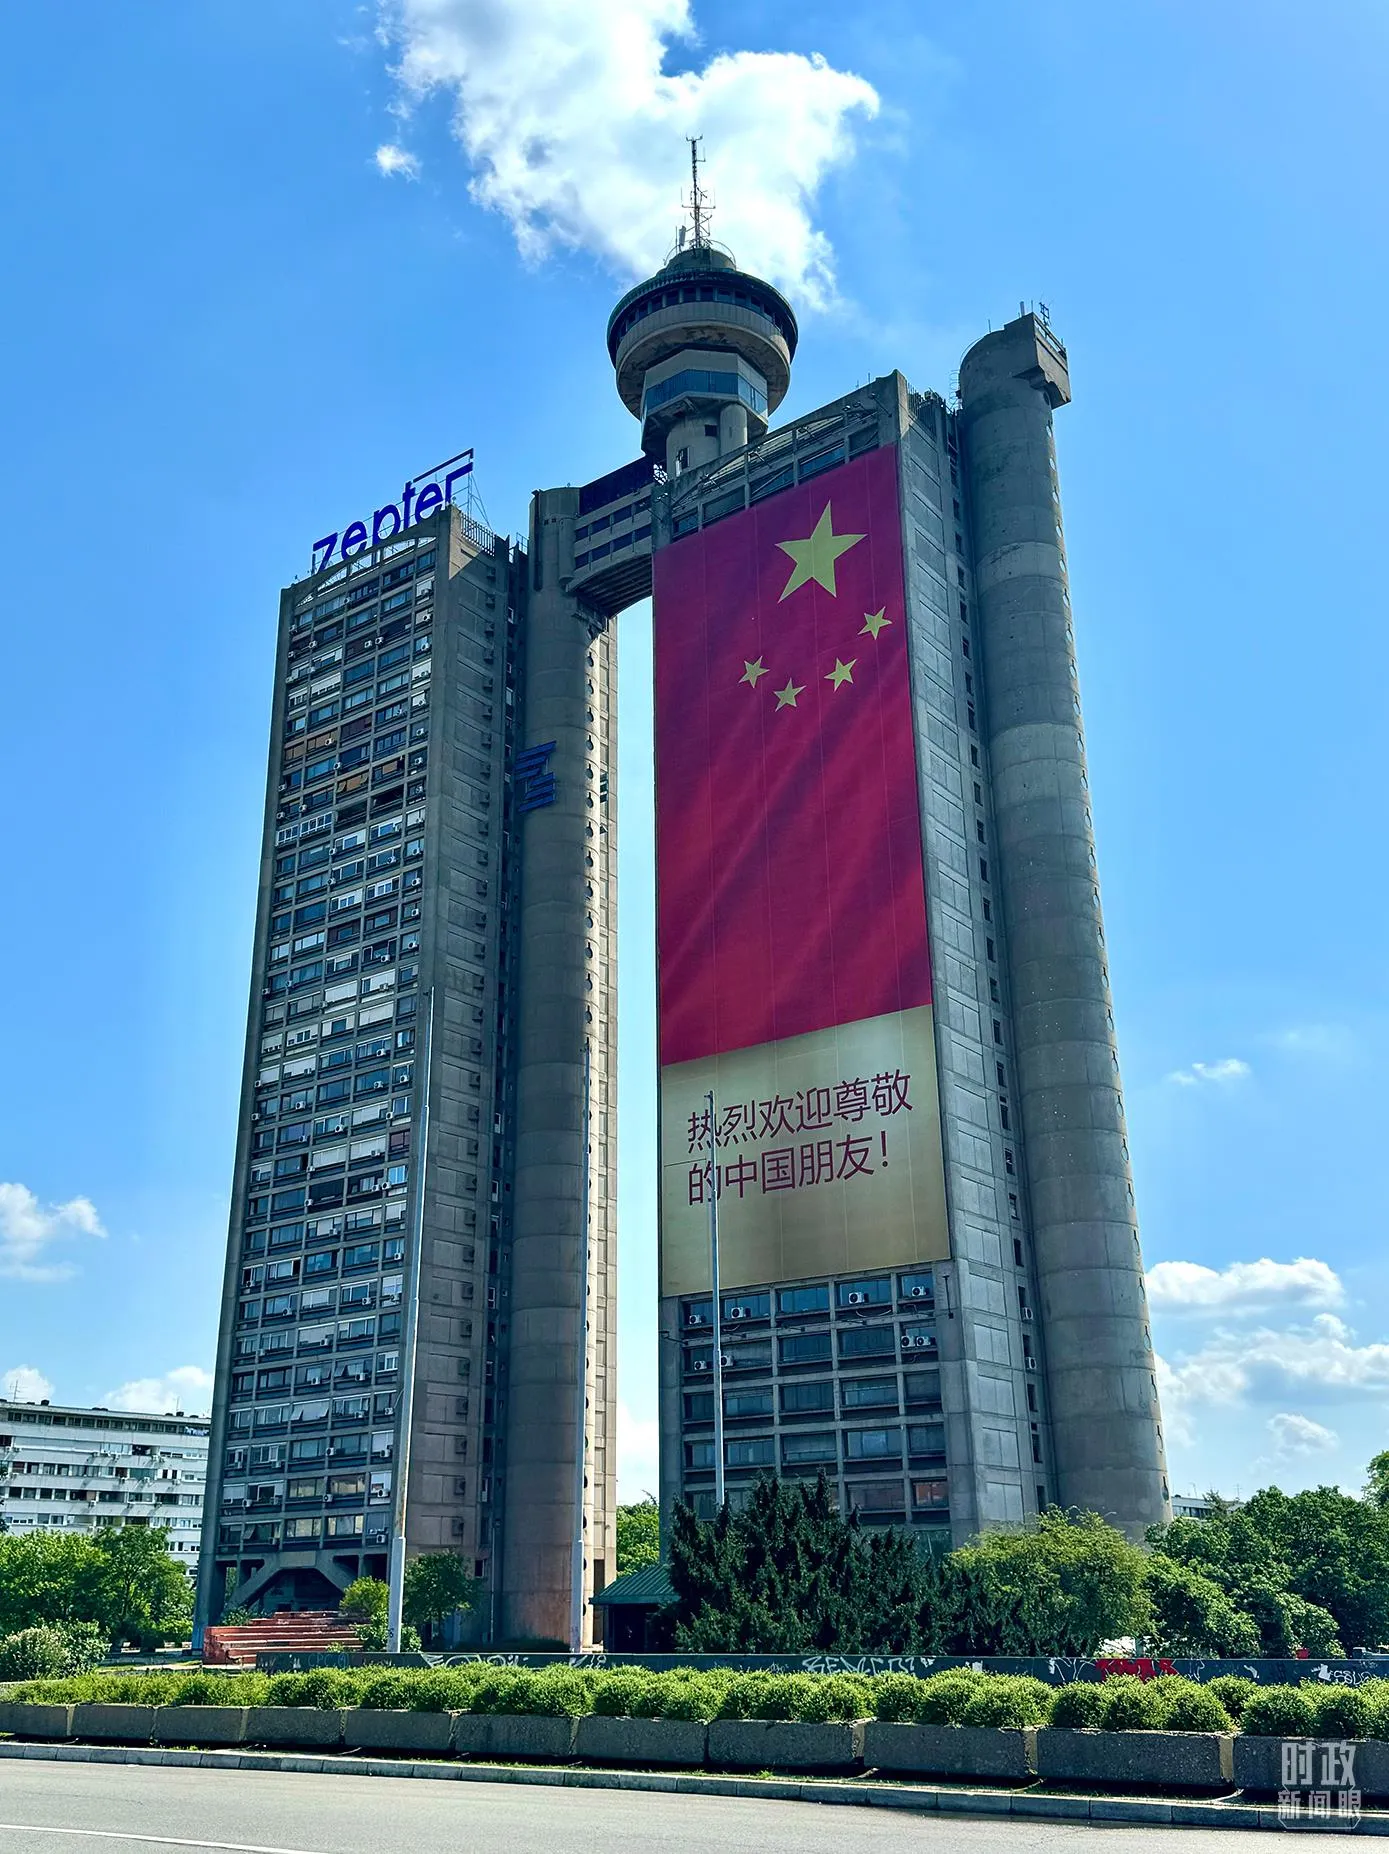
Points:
(887, 1051)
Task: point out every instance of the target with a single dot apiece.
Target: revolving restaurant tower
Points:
(887, 1055)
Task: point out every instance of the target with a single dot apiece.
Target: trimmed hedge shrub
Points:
(893, 1697)
(555, 1692)
(1079, 1704)
(1340, 1712)
(1194, 1709)
(1131, 1705)
(944, 1697)
(834, 1698)
(1234, 1693)
(31, 1654)
(958, 1696)
(1011, 1700)
(1377, 1699)
(1278, 1712)
(323, 1687)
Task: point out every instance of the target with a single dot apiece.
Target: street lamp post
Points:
(717, 1309)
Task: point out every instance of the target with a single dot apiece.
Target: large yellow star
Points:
(842, 672)
(873, 622)
(816, 554)
(751, 672)
(786, 698)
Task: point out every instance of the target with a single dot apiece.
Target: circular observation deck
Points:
(700, 299)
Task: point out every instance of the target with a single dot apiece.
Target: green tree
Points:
(1312, 1568)
(1377, 1481)
(638, 1535)
(1192, 1615)
(136, 1591)
(436, 1584)
(121, 1578)
(43, 1578)
(789, 1574)
(366, 1599)
(1062, 1587)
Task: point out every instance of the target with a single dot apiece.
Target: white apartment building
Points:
(81, 1469)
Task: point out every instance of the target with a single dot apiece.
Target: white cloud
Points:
(1299, 1435)
(574, 128)
(27, 1227)
(1321, 1361)
(26, 1384)
(1218, 1074)
(393, 161)
(186, 1387)
(1243, 1287)
(638, 1450)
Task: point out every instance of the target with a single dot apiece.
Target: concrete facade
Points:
(405, 1225)
(1100, 1371)
(1034, 1385)
(68, 1469)
(564, 1254)
(421, 1272)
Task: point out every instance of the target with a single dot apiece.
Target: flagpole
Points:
(718, 1311)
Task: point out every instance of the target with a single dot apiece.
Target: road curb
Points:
(1030, 1805)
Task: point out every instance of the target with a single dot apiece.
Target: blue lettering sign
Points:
(535, 783)
(414, 505)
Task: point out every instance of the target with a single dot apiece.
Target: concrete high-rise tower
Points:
(417, 1335)
(932, 1282)
(881, 961)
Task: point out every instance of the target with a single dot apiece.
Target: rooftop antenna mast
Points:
(701, 207)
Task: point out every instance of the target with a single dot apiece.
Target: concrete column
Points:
(1096, 1344)
(691, 436)
(556, 986)
(733, 428)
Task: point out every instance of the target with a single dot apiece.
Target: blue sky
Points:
(229, 326)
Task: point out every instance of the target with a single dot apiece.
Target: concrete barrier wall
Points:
(366, 1730)
(950, 1750)
(776, 1744)
(36, 1721)
(200, 1725)
(678, 1743)
(1258, 1766)
(532, 1738)
(1186, 1760)
(1190, 1759)
(128, 1725)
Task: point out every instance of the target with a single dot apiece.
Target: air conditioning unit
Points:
(914, 1342)
(858, 1300)
(920, 1293)
(701, 1364)
(697, 1319)
(737, 1313)
(1026, 1312)
(725, 1359)
(1030, 1362)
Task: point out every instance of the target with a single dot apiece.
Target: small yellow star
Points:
(786, 698)
(751, 671)
(816, 554)
(842, 672)
(873, 622)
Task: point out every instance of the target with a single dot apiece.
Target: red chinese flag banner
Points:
(792, 912)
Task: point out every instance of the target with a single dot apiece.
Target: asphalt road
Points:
(121, 1809)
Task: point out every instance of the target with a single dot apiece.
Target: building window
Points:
(803, 1300)
(805, 1349)
(822, 1446)
(872, 1444)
